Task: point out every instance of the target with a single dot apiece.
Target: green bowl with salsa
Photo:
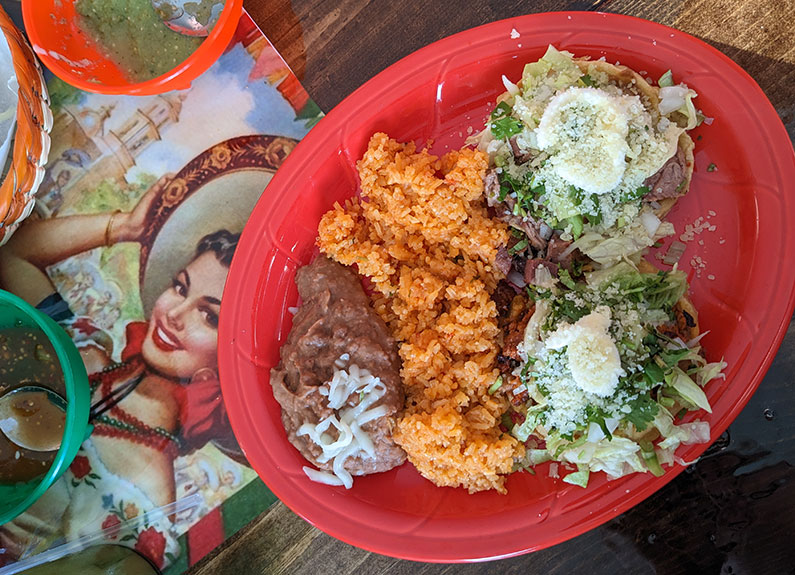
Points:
(34, 350)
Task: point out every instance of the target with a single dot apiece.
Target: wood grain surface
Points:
(731, 513)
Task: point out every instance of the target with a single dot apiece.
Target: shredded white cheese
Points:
(347, 439)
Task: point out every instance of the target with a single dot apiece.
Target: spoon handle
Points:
(114, 397)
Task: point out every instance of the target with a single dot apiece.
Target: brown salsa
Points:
(27, 358)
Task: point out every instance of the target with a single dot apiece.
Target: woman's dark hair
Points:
(222, 243)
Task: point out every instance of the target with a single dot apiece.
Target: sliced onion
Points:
(512, 88)
(651, 222)
(665, 456)
(516, 278)
(672, 98)
(544, 231)
(544, 278)
(595, 433)
(692, 342)
(684, 463)
(698, 432)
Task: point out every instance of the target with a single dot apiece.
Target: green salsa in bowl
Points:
(131, 34)
(123, 46)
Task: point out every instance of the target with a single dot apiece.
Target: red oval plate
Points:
(443, 92)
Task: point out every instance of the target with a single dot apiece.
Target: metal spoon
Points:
(24, 410)
(186, 16)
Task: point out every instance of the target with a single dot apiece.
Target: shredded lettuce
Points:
(666, 79)
(568, 73)
(711, 371)
(532, 419)
(579, 477)
(621, 244)
(616, 457)
(687, 388)
(688, 110)
(537, 456)
(675, 435)
(650, 457)
(658, 291)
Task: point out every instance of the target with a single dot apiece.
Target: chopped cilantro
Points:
(502, 124)
(633, 196)
(525, 370)
(596, 415)
(674, 356)
(595, 219)
(525, 191)
(654, 373)
(506, 127)
(644, 410)
(576, 268)
(565, 278)
(587, 80)
(536, 293)
(502, 109)
(518, 246)
(576, 225)
(712, 167)
(570, 310)
(651, 343)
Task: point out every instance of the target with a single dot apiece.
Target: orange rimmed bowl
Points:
(66, 50)
(24, 170)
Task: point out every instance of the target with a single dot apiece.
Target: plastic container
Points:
(14, 312)
(52, 26)
(31, 146)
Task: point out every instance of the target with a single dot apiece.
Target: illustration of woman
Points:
(175, 406)
(186, 228)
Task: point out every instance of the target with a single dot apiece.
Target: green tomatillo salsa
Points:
(132, 35)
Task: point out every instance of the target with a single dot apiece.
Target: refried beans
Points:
(334, 322)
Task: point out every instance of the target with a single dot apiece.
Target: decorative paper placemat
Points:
(174, 177)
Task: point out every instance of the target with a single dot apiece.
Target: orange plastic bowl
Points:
(54, 32)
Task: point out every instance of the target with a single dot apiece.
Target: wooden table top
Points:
(733, 511)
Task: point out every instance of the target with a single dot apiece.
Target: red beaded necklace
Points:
(120, 424)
